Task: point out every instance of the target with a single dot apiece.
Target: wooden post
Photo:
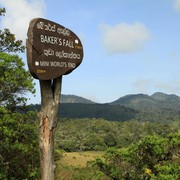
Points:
(48, 117)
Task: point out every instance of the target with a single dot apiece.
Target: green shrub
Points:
(19, 156)
(151, 158)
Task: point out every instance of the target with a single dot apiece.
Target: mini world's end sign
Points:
(52, 50)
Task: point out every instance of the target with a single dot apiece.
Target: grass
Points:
(79, 159)
(73, 166)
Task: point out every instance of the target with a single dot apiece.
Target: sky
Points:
(129, 46)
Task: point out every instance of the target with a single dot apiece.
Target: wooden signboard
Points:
(52, 50)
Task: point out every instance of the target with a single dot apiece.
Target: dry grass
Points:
(79, 159)
(73, 165)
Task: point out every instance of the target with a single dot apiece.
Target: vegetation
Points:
(15, 81)
(135, 150)
(105, 111)
(151, 150)
(158, 107)
(98, 134)
(19, 157)
(140, 141)
(152, 158)
(8, 42)
(75, 99)
(73, 165)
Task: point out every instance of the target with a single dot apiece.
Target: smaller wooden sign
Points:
(52, 50)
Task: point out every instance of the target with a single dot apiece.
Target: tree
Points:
(14, 81)
(110, 140)
(2, 11)
(8, 42)
(19, 155)
(151, 158)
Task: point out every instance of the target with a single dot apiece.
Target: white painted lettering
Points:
(46, 27)
(40, 25)
(49, 39)
(71, 65)
(64, 31)
(60, 42)
(68, 43)
(49, 27)
(44, 63)
(48, 52)
(36, 63)
(66, 55)
(58, 64)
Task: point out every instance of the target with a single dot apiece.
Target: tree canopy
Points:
(8, 42)
(19, 156)
(2, 11)
(154, 157)
(15, 81)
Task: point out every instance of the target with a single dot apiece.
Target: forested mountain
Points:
(137, 101)
(157, 107)
(157, 101)
(172, 98)
(94, 111)
(75, 99)
(106, 111)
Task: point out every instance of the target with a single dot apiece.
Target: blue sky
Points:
(129, 46)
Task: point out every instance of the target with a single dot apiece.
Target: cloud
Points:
(124, 38)
(170, 87)
(150, 86)
(19, 13)
(143, 85)
(176, 5)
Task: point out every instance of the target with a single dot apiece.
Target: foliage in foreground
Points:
(19, 156)
(155, 157)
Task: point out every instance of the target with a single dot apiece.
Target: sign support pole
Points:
(48, 117)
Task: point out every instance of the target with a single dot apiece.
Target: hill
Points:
(105, 111)
(94, 111)
(137, 101)
(75, 99)
(157, 107)
(171, 99)
(156, 101)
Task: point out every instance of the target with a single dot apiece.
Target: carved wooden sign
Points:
(52, 50)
